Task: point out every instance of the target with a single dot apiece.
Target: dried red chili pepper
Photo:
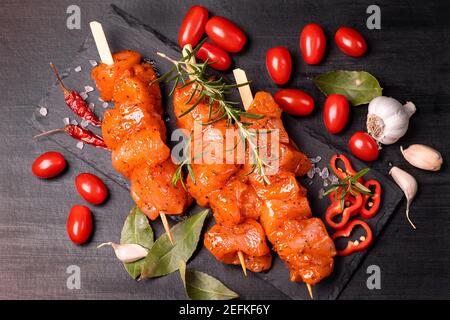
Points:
(357, 245)
(79, 133)
(347, 207)
(341, 174)
(371, 203)
(76, 103)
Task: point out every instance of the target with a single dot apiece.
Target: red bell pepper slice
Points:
(341, 174)
(371, 203)
(352, 206)
(357, 245)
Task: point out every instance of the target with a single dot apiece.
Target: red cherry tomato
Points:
(363, 146)
(91, 188)
(350, 41)
(312, 43)
(48, 165)
(295, 102)
(79, 224)
(219, 58)
(279, 64)
(193, 26)
(225, 34)
(335, 113)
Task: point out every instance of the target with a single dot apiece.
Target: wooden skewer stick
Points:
(166, 226)
(188, 48)
(310, 290)
(247, 98)
(242, 261)
(101, 43)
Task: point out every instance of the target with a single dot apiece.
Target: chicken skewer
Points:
(135, 132)
(188, 48)
(247, 99)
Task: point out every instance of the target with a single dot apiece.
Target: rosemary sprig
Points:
(349, 184)
(213, 92)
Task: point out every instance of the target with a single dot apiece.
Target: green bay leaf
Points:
(360, 87)
(137, 230)
(164, 257)
(201, 286)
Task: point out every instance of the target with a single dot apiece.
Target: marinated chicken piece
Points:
(153, 191)
(183, 101)
(105, 76)
(248, 237)
(263, 104)
(212, 171)
(234, 203)
(306, 248)
(132, 90)
(125, 120)
(143, 146)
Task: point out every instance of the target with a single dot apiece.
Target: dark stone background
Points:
(409, 56)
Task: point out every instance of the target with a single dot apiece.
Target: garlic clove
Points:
(423, 157)
(408, 184)
(127, 253)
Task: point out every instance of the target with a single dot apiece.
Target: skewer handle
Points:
(187, 48)
(244, 91)
(166, 226)
(242, 261)
(101, 42)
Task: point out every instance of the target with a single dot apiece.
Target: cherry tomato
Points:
(48, 165)
(350, 41)
(279, 64)
(295, 102)
(363, 146)
(221, 58)
(335, 113)
(225, 34)
(91, 188)
(79, 224)
(312, 43)
(193, 26)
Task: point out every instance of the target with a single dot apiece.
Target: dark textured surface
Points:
(409, 56)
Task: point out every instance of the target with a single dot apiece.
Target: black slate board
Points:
(125, 32)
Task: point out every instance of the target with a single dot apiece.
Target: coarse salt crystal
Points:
(80, 145)
(325, 173)
(88, 89)
(84, 95)
(43, 111)
(77, 69)
(100, 99)
(75, 122)
(310, 173)
(316, 159)
(93, 63)
(84, 123)
(317, 170)
(66, 121)
(92, 106)
(325, 183)
(105, 105)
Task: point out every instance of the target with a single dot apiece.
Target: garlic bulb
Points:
(388, 120)
(127, 252)
(408, 184)
(423, 157)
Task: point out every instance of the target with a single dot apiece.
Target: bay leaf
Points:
(202, 286)
(360, 87)
(137, 230)
(164, 256)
